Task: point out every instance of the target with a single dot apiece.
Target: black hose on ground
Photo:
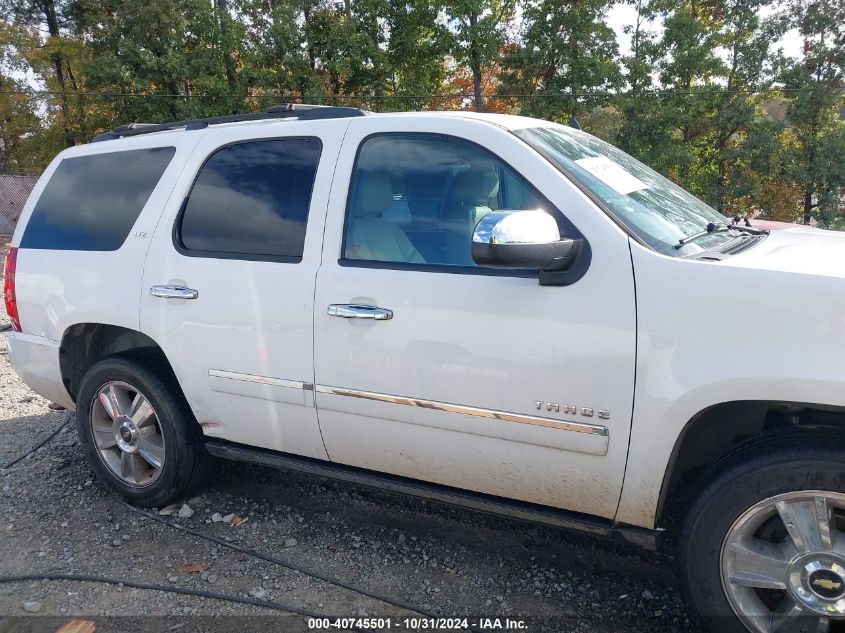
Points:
(199, 593)
(396, 602)
(37, 446)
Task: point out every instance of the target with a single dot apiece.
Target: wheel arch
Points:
(713, 432)
(84, 344)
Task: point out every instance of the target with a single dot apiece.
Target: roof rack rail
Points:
(300, 111)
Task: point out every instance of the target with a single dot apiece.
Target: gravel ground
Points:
(54, 517)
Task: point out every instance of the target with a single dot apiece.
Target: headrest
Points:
(373, 193)
(476, 186)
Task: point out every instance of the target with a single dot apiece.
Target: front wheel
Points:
(764, 545)
(138, 432)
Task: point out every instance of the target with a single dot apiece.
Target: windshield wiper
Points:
(719, 227)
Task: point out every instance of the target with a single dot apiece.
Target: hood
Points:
(799, 250)
(774, 225)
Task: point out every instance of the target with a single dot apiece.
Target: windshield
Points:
(652, 207)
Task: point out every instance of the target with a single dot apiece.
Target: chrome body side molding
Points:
(262, 387)
(564, 425)
(262, 380)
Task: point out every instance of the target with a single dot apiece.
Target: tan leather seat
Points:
(473, 191)
(369, 236)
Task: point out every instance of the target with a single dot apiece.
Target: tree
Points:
(688, 67)
(276, 55)
(736, 126)
(814, 87)
(227, 44)
(645, 129)
(416, 52)
(18, 110)
(167, 50)
(567, 49)
(51, 58)
(702, 125)
(461, 82)
(479, 30)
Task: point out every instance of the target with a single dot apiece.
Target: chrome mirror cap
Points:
(527, 240)
(516, 227)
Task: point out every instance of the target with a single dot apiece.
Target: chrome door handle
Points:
(174, 292)
(352, 311)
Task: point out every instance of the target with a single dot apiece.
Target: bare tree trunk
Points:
(475, 66)
(49, 8)
(80, 104)
(635, 46)
(228, 60)
(808, 205)
(379, 66)
(811, 167)
(306, 12)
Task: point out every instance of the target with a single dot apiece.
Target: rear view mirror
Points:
(522, 240)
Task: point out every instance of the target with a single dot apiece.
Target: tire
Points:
(170, 436)
(761, 482)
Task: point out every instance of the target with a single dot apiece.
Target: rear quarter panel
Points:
(59, 288)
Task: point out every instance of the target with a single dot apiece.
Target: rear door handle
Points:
(174, 292)
(352, 311)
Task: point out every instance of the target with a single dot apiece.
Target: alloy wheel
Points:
(127, 434)
(783, 563)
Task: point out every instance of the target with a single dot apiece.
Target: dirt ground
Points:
(55, 518)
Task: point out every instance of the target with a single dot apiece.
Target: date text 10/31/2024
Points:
(417, 624)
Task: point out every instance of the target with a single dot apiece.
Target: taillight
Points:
(9, 288)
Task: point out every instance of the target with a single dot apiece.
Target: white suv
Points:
(488, 310)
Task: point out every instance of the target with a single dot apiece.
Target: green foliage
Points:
(476, 34)
(815, 85)
(154, 47)
(568, 49)
(701, 93)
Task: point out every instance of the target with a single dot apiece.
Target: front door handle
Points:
(174, 292)
(352, 311)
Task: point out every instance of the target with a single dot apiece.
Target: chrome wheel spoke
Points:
(824, 518)
(104, 438)
(131, 467)
(808, 523)
(108, 398)
(758, 563)
(151, 448)
(789, 617)
(141, 411)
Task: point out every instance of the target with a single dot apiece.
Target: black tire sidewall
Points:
(725, 499)
(178, 428)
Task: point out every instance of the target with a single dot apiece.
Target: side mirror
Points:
(522, 239)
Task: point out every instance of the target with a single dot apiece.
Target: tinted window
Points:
(416, 199)
(91, 202)
(251, 199)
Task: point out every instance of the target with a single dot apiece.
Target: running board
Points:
(488, 504)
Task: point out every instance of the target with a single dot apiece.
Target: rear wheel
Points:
(138, 432)
(764, 545)
(127, 433)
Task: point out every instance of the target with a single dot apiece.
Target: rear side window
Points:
(92, 202)
(251, 200)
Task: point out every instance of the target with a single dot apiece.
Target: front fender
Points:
(713, 332)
